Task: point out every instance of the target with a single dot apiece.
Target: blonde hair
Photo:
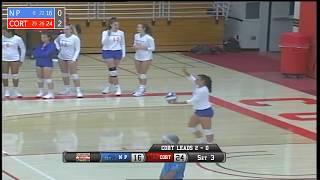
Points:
(73, 29)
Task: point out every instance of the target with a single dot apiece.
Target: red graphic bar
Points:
(17, 23)
(159, 157)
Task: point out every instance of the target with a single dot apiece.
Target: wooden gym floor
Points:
(267, 130)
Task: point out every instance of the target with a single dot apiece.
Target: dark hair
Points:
(11, 31)
(207, 80)
(147, 29)
(111, 21)
(47, 34)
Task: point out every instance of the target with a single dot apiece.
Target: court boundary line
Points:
(29, 166)
(25, 98)
(10, 175)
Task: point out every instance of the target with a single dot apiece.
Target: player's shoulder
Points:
(74, 37)
(137, 35)
(52, 44)
(17, 37)
(204, 89)
(177, 165)
(120, 32)
(61, 36)
(149, 36)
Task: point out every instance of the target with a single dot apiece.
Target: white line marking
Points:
(29, 166)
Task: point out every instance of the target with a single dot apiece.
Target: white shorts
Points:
(6, 60)
(142, 60)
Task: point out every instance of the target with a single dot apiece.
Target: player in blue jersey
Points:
(44, 53)
(173, 170)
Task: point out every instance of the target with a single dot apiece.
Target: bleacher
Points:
(177, 25)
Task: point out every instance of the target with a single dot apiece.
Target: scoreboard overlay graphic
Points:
(157, 153)
(36, 18)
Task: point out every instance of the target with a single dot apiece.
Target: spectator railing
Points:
(133, 10)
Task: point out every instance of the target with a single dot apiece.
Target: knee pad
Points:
(48, 81)
(5, 76)
(192, 129)
(15, 76)
(207, 132)
(113, 72)
(65, 75)
(142, 76)
(75, 76)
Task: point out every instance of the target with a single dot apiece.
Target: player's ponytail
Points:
(73, 29)
(207, 80)
(147, 29)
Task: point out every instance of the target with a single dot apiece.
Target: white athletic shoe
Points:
(108, 89)
(139, 92)
(118, 91)
(7, 93)
(17, 94)
(40, 94)
(137, 89)
(66, 91)
(79, 94)
(48, 96)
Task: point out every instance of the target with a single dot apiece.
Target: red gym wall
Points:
(308, 25)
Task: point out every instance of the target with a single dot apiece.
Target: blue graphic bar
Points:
(32, 12)
(115, 157)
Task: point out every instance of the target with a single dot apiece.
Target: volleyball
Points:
(171, 97)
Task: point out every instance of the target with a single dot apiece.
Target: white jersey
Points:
(113, 41)
(10, 49)
(200, 96)
(146, 41)
(69, 47)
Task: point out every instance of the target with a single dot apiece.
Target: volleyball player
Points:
(113, 51)
(68, 45)
(203, 110)
(143, 45)
(12, 60)
(44, 53)
(172, 170)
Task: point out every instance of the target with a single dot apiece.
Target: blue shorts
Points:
(205, 112)
(44, 63)
(108, 54)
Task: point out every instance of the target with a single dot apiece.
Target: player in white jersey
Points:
(113, 51)
(144, 46)
(203, 109)
(12, 60)
(68, 45)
